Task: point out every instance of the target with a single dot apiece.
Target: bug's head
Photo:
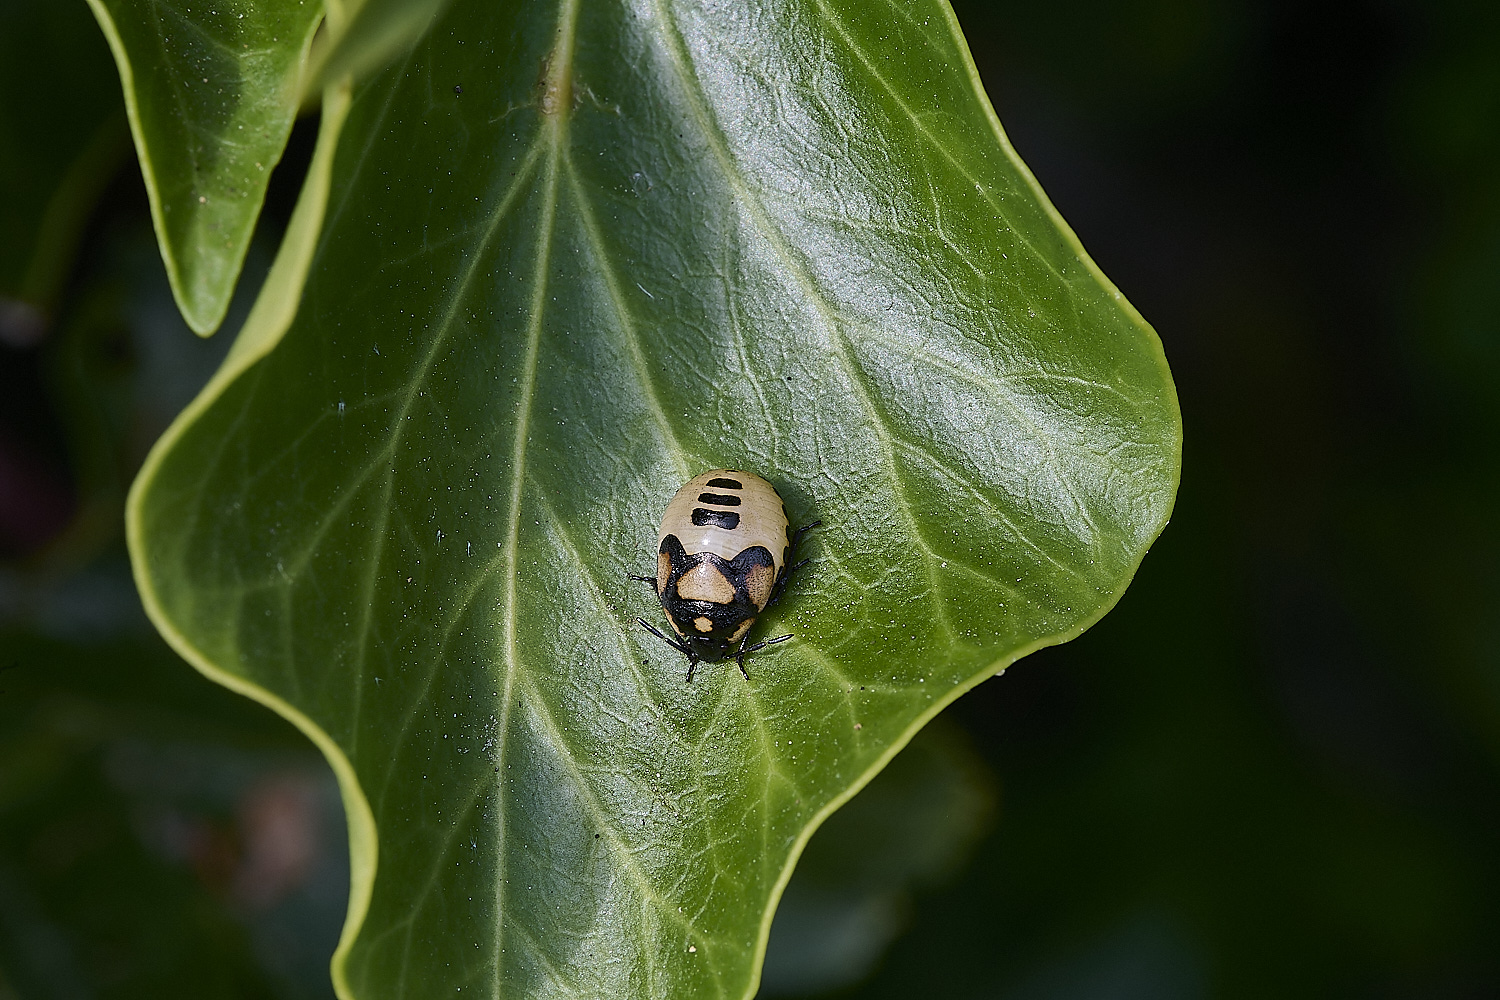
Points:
(713, 631)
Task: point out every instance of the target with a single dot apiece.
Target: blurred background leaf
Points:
(1273, 770)
(367, 35)
(157, 837)
(62, 137)
(850, 895)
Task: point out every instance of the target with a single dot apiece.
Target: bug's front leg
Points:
(681, 647)
(739, 657)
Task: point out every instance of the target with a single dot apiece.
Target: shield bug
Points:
(723, 556)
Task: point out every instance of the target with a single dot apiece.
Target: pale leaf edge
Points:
(269, 319)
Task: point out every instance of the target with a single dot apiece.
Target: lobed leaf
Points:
(571, 256)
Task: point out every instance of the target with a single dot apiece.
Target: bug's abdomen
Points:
(725, 512)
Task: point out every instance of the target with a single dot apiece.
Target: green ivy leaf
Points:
(211, 90)
(568, 262)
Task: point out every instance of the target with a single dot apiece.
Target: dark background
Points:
(1270, 772)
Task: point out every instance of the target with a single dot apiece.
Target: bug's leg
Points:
(681, 648)
(643, 579)
(739, 658)
(781, 581)
(797, 535)
(787, 571)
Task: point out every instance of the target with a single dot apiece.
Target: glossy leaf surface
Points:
(211, 90)
(572, 256)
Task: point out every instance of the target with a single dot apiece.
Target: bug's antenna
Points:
(747, 650)
(769, 642)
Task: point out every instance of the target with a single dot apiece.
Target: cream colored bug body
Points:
(722, 557)
(759, 516)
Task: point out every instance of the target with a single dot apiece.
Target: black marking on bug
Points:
(725, 484)
(734, 570)
(726, 519)
(726, 619)
(722, 499)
